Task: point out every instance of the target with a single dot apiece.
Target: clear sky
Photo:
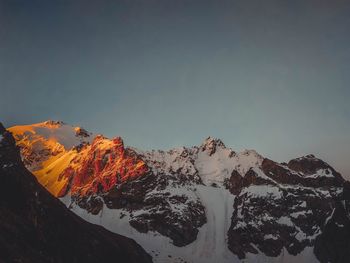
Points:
(269, 75)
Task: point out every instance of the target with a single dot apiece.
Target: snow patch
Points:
(321, 173)
(262, 191)
(270, 236)
(284, 220)
(328, 218)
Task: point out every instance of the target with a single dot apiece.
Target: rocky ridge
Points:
(208, 202)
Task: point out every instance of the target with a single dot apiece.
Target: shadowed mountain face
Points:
(37, 227)
(333, 245)
(204, 203)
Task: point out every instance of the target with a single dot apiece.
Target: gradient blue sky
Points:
(268, 75)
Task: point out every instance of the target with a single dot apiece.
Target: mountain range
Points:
(205, 203)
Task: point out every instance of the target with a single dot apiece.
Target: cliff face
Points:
(333, 245)
(37, 227)
(70, 160)
(99, 167)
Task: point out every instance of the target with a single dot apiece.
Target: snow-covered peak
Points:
(56, 132)
(178, 160)
(53, 123)
(210, 145)
(47, 141)
(218, 166)
(307, 157)
(246, 160)
(250, 152)
(212, 140)
(312, 166)
(212, 161)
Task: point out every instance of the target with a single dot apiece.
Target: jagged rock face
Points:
(333, 244)
(323, 175)
(36, 227)
(237, 182)
(176, 214)
(210, 145)
(278, 208)
(203, 203)
(80, 132)
(307, 165)
(151, 208)
(234, 183)
(120, 179)
(69, 160)
(101, 166)
(270, 218)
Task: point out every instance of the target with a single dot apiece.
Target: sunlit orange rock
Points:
(101, 166)
(67, 159)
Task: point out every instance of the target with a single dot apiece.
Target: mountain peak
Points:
(211, 139)
(210, 144)
(53, 123)
(306, 157)
(311, 165)
(79, 131)
(251, 152)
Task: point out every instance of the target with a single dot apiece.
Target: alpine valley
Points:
(205, 203)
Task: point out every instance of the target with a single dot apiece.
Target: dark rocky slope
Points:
(333, 245)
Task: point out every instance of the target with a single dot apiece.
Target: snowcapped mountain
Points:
(42, 143)
(36, 227)
(192, 204)
(62, 157)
